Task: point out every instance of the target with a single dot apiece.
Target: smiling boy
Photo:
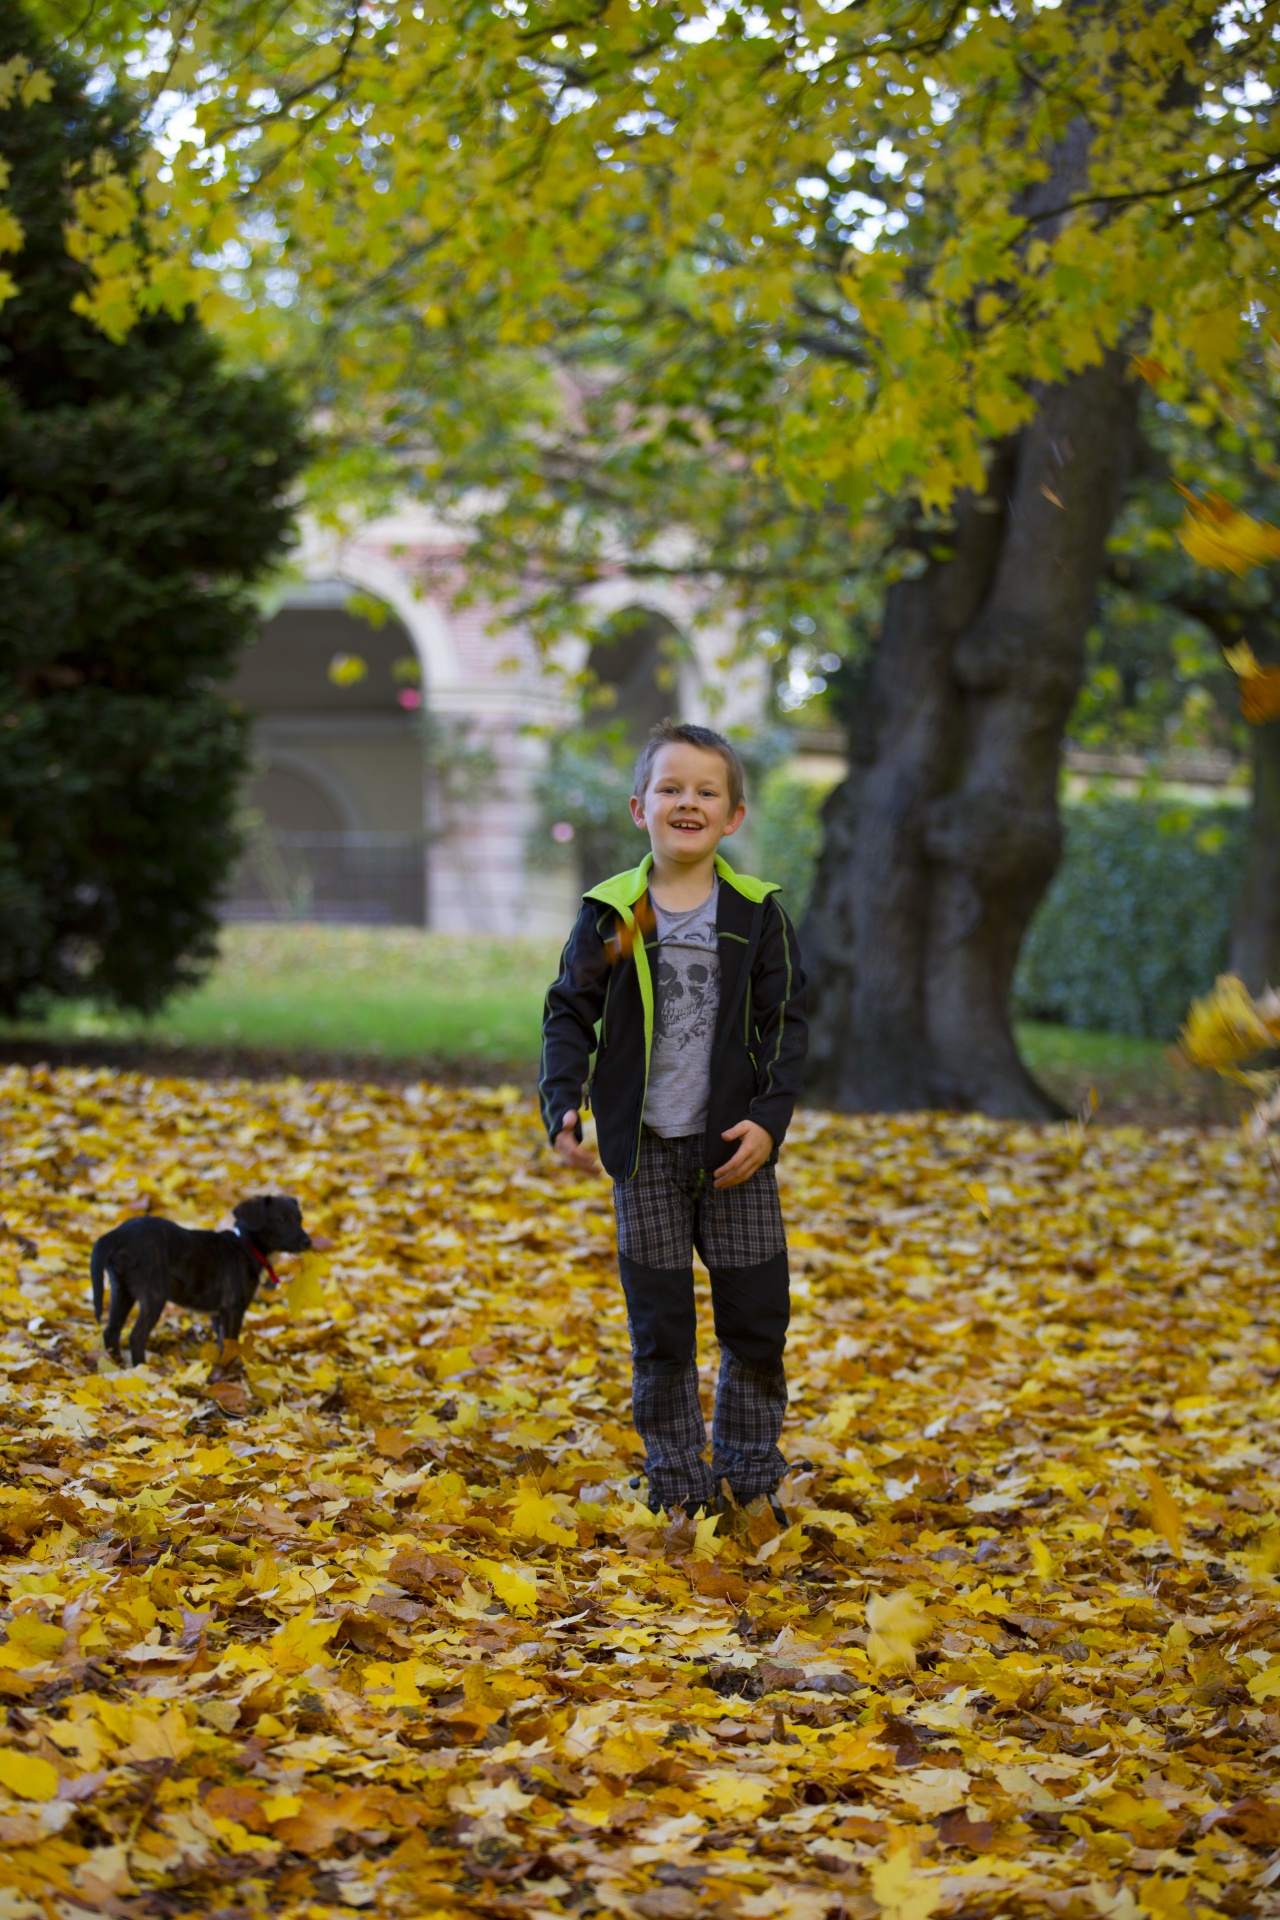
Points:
(683, 979)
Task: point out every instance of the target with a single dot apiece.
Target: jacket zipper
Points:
(644, 1091)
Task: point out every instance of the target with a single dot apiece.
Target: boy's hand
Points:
(571, 1149)
(754, 1149)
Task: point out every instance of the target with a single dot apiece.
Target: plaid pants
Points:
(669, 1208)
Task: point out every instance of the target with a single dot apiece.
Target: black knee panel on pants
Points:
(753, 1310)
(664, 1324)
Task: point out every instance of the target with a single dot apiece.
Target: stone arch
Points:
(633, 671)
(706, 691)
(643, 654)
(421, 619)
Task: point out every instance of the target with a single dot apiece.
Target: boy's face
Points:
(685, 808)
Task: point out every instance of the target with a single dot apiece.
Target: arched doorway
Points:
(293, 802)
(334, 810)
(631, 672)
(629, 682)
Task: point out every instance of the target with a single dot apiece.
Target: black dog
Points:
(149, 1262)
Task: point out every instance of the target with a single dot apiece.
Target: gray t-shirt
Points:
(686, 1001)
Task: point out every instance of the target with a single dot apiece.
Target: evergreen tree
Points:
(143, 487)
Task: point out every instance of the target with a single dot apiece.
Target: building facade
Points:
(399, 741)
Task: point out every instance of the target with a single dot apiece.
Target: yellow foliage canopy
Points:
(900, 201)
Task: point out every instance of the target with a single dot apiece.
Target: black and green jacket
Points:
(602, 1004)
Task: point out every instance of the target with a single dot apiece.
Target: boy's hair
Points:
(669, 733)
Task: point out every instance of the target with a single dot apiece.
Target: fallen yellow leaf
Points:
(27, 1775)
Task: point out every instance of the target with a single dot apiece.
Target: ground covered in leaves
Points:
(373, 1618)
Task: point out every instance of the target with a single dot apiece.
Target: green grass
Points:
(1133, 1079)
(473, 1004)
(390, 993)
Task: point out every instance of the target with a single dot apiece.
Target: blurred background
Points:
(426, 797)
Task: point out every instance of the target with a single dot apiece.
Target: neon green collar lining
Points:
(622, 890)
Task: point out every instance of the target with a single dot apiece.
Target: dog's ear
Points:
(252, 1214)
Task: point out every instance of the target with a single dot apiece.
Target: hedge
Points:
(1138, 918)
(1134, 926)
(783, 837)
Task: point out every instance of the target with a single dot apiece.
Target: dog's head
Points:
(274, 1220)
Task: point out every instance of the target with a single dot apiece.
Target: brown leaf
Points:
(771, 1678)
(393, 1607)
(324, 1818)
(419, 1572)
(1253, 1820)
(958, 1829)
(242, 1804)
(371, 1634)
(902, 1737)
(231, 1395)
(717, 1582)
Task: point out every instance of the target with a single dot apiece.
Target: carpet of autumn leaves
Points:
(371, 1617)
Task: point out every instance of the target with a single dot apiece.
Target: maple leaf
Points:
(450, 1363)
(706, 1543)
(490, 1802)
(1229, 1025)
(1164, 1509)
(1259, 685)
(1041, 1558)
(1265, 1685)
(34, 1639)
(149, 1732)
(898, 1624)
(865, 1751)
(1153, 371)
(301, 1642)
(322, 1817)
(1164, 1899)
(27, 1775)
(304, 1289)
(735, 1793)
(472, 1603)
(901, 1892)
(536, 1517)
(516, 1589)
(397, 1680)
(1219, 536)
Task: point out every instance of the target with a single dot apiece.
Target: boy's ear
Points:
(637, 812)
(740, 814)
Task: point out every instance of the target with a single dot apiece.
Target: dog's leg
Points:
(148, 1314)
(116, 1317)
(215, 1321)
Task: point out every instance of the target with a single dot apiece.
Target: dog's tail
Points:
(98, 1273)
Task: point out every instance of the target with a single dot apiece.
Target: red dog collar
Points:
(273, 1278)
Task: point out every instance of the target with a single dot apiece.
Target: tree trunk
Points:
(1255, 933)
(940, 844)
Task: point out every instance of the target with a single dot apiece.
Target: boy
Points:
(684, 979)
